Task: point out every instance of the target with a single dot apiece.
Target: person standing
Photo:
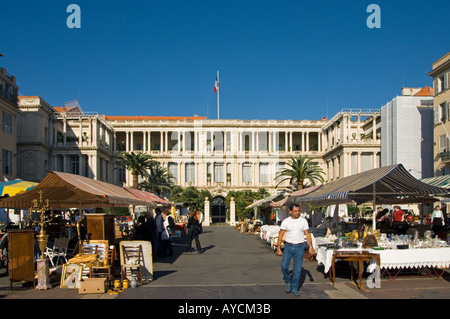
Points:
(159, 227)
(437, 221)
(193, 227)
(296, 229)
(169, 229)
(151, 233)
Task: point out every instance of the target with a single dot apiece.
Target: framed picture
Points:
(71, 276)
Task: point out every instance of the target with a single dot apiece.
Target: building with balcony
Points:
(225, 155)
(8, 117)
(64, 139)
(441, 100)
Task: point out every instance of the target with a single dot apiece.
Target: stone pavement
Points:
(235, 266)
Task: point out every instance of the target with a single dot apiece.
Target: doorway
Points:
(218, 210)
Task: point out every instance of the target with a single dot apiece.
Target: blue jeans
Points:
(294, 252)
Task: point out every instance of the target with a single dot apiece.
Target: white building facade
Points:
(407, 132)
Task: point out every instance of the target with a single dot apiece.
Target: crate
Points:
(93, 286)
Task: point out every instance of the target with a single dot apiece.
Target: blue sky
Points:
(282, 59)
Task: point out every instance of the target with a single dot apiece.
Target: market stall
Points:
(384, 185)
(59, 191)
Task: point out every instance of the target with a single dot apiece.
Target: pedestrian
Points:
(152, 232)
(296, 229)
(193, 231)
(169, 229)
(437, 220)
(141, 229)
(159, 227)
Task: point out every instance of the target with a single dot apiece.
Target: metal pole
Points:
(218, 89)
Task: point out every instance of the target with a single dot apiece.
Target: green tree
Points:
(301, 169)
(191, 197)
(136, 163)
(243, 199)
(158, 180)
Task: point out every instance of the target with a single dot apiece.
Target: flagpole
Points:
(218, 89)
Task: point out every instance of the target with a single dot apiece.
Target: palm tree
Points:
(158, 180)
(300, 169)
(137, 163)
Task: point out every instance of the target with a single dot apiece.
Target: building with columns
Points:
(221, 155)
(225, 155)
(63, 139)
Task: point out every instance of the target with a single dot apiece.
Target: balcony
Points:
(445, 157)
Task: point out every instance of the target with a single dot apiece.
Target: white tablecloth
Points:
(397, 258)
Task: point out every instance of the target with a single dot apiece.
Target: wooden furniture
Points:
(350, 256)
(104, 270)
(101, 227)
(132, 256)
(88, 247)
(21, 255)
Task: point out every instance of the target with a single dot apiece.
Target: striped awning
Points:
(158, 201)
(266, 201)
(64, 190)
(15, 187)
(439, 181)
(290, 199)
(384, 183)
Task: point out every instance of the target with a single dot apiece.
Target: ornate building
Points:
(228, 155)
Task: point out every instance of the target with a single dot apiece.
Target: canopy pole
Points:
(374, 215)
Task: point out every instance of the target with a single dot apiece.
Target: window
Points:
(74, 164)
(443, 112)
(442, 144)
(7, 160)
(263, 172)
(280, 167)
(7, 126)
(190, 172)
(246, 173)
(173, 170)
(218, 173)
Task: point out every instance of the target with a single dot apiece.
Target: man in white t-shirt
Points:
(296, 229)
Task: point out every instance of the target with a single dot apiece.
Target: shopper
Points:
(193, 227)
(159, 227)
(296, 229)
(169, 227)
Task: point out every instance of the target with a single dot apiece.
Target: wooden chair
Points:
(132, 258)
(108, 270)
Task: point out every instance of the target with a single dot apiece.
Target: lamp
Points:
(41, 206)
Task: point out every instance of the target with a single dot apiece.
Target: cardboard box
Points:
(93, 286)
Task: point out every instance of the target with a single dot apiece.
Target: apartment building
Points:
(441, 100)
(407, 131)
(8, 117)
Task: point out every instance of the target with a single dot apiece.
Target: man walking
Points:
(296, 229)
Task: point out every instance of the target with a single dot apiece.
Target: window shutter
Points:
(437, 114)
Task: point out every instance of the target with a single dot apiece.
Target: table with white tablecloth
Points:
(391, 259)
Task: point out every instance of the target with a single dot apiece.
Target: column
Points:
(206, 221)
(232, 212)
(131, 141)
(144, 142)
(307, 141)
(291, 143)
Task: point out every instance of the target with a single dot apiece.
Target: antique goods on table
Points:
(396, 252)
